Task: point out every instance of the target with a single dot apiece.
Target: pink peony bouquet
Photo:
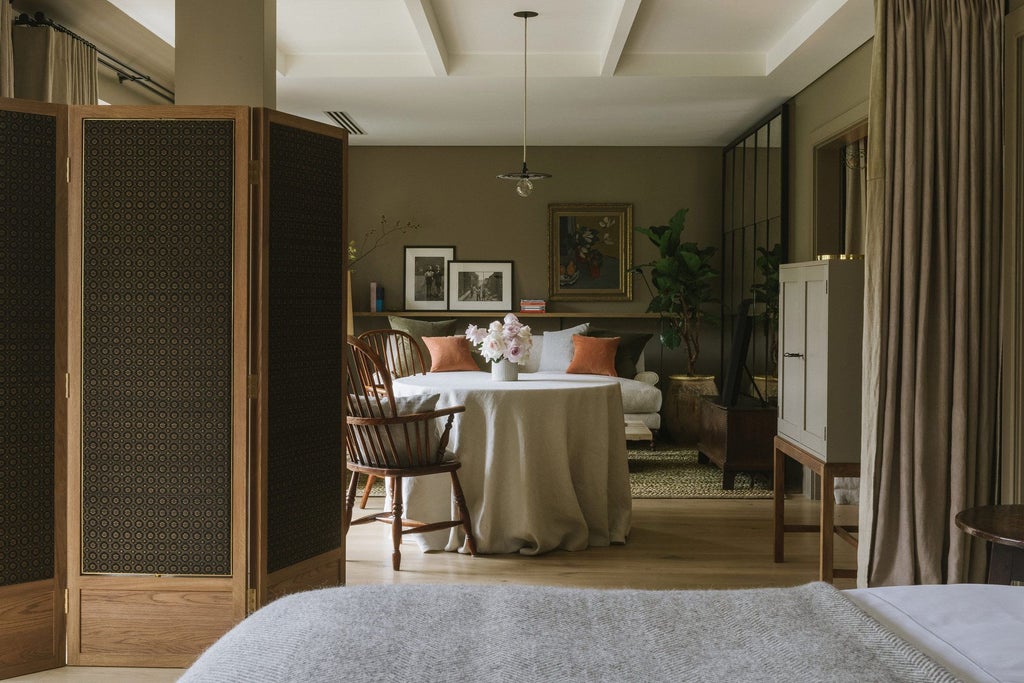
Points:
(506, 339)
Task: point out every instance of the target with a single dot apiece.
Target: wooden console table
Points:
(827, 528)
(1003, 525)
(736, 438)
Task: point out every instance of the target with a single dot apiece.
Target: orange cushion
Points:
(449, 354)
(593, 355)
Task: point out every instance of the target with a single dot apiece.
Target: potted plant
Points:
(681, 277)
(767, 292)
(680, 280)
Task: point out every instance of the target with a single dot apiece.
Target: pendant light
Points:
(524, 178)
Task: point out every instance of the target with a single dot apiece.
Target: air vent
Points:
(346, 122)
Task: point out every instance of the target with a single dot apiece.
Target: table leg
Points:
(779, 503)
(828, 501)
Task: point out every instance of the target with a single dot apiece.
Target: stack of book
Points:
(532, 306)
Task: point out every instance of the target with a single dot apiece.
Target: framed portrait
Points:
(426, 278)
(590, 252)
(480, 286)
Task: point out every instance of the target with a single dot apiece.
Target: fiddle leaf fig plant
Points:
(680, 280)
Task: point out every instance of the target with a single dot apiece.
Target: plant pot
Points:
(504, 371)
(682, 406)
(768, 385)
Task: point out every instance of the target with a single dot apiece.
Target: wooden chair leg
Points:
(370, 478)
(396, 522)
(467, 524)
(350, 498)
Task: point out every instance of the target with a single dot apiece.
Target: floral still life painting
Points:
(590, 252)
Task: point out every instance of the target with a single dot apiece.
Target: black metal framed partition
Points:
(755, 193)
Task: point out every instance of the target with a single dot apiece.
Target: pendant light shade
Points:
(524, 178)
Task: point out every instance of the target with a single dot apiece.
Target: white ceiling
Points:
(601, 72)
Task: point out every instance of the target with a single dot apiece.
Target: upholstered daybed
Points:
(553, 351)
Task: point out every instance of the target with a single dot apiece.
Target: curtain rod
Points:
(124, 71)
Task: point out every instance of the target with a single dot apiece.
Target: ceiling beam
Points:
(422, 14)
(617, 36)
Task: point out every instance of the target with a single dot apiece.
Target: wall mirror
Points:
(754, 242)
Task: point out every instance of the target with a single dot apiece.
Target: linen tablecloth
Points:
(543, 462)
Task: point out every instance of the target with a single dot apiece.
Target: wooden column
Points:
(226, 52)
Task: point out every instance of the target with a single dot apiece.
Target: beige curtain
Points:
(51, 66)
(929, 442)
(6, 49)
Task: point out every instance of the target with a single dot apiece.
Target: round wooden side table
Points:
(1003, 525)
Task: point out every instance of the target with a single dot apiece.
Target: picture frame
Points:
(425, 278)
(590, 252)
(480, 286)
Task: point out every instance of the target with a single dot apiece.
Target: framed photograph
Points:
(480, 286)
(590, 252)
(426, 276)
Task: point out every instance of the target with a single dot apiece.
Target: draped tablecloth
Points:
(543, 462)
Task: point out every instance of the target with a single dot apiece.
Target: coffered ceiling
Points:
(601, 72)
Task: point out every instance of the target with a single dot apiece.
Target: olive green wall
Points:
(454, 195)
(830, 105)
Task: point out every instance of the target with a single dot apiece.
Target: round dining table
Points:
(543, 462)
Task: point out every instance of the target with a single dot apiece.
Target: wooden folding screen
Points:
(32, 367)
(192, 347)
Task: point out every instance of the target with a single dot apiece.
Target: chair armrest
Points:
(405, 417)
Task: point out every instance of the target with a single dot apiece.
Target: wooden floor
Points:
(674, 544)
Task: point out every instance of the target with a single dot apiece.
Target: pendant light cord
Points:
(525, 22)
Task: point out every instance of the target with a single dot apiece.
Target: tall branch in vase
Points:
(376, 237)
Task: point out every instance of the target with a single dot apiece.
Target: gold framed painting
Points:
(590, 252)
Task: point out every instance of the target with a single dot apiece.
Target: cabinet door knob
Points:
(793, 355)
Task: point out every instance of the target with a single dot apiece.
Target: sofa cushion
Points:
(449, 354)
(404, 405)
(556, 351)
(418, 329)
(593, 356)
(630, 350)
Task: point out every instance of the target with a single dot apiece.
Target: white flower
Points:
(506, 339)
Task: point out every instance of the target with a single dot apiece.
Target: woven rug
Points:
(675, 473)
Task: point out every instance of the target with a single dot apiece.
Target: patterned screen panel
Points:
(27, 224)
(156, 346)
(305, 347)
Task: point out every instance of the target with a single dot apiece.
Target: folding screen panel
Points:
(299, 466)
(32, 366)
(157, 455)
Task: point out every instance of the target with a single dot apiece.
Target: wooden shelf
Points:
(520, 314)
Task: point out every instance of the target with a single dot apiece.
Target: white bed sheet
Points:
(976, 631)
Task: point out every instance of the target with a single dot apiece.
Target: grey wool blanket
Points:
(529, 633)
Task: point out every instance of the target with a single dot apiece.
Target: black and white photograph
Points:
(426, 272)
(480, 285)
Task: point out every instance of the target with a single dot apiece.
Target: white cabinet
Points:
(820, 341)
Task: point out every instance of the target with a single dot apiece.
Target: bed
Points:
(530, 633)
